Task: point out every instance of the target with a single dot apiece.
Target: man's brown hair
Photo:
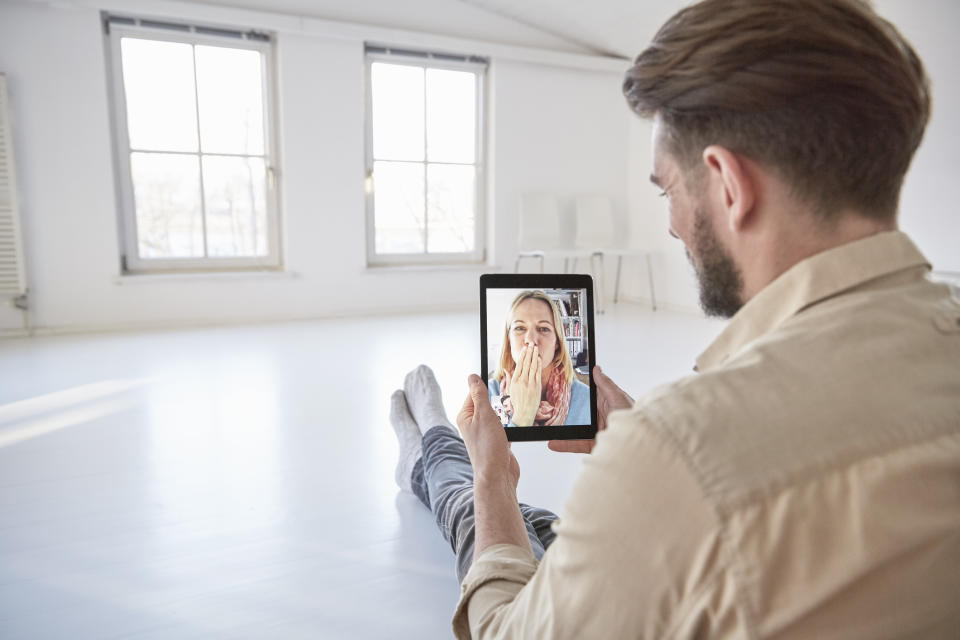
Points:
(825, 91)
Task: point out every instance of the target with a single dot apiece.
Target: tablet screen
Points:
(538, 356)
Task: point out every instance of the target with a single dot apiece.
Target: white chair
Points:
(596, 237)
(595, 230)
(539, 227)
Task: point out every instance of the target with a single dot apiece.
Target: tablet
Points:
(536, 332)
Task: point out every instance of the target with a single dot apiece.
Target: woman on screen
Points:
(534, 384)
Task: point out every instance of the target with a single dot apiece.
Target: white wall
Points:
(554, 128)
(674, 281)
(557, 131)
(928, 210)
(928, 206)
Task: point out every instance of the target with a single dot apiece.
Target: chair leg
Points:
(541, 263)
(598, 281)
(653, 295)
(616, 284)
(516, 266)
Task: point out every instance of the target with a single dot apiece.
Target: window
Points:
(195, 158)
(425, 157)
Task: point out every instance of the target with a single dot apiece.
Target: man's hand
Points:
(486, 439)
(610, 397)
(525, 386)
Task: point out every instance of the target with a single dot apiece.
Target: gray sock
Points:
(408, 437)
(424, 398)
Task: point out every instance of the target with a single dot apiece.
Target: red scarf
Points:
(553, 410)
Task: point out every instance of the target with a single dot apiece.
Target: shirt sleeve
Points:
(637, 553)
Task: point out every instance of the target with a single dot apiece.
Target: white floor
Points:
(238, 482)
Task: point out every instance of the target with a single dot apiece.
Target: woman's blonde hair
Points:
(561, 357)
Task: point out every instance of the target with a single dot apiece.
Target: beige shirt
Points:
(805, 484)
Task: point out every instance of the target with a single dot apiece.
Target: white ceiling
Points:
(619, 28)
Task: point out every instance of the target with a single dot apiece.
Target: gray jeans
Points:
(443, 480)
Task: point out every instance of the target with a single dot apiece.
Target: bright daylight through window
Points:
(195, 162)
(424, 158)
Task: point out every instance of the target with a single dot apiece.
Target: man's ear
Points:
(734, 185)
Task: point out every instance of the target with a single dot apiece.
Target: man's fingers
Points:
(603, 380)
(571, 446)
(610, 390)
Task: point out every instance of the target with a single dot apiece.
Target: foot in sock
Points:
(408, 437)
(424, 398)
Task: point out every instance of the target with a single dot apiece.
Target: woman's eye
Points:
(544, 329)
(518, 329)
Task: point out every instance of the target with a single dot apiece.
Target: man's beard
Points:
(721, 283)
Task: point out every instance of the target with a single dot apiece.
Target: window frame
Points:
(118, 27)
(427, 60)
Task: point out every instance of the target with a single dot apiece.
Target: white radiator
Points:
(13, 283)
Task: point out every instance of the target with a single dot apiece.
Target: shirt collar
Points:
(808, 282)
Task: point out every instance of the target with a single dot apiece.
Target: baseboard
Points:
(205, 323)
(662, 306)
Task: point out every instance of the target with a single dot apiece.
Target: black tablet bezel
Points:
(543, 281)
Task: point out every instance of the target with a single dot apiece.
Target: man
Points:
(806, 482)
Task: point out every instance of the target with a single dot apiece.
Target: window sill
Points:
(372, 269)
(212, 276)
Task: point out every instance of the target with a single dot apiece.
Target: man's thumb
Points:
(477, 391)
